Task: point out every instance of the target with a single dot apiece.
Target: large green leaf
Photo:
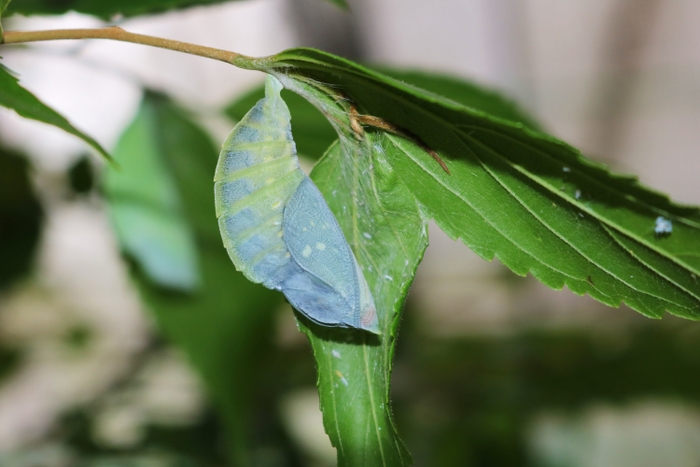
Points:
(15, 97)
(383, 225)
(223, 326)
(522, 196)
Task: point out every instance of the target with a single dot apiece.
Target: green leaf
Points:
(146, 211)
(223, 326)
(522, 196)
(105, 9)
(15, 97)
(382, 223)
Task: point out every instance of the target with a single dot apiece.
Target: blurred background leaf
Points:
(223, 326)
(106, 9)
(474, 401)
(146, 207)
(343, 4)
(21, 217)
(81, 176)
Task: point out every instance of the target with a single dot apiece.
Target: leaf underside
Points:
(224, 324)
(524, 197)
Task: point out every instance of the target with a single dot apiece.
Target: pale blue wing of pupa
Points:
(318, 246)
(263, 200)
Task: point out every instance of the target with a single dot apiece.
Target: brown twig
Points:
(118, 34)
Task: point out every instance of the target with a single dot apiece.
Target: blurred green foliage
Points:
(224, 325)
(81, 176)
(469, 402)
(21, 217)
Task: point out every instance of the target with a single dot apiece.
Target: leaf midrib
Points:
(365, 355)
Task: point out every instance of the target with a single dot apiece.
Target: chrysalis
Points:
(276, 225)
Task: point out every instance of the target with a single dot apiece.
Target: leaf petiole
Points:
(118, 34)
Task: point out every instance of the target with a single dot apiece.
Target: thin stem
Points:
(116, 33)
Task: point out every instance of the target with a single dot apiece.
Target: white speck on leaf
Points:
(366, 235)
(566, 169)
(663, 226)
(335, 353)
(577, 194)
(388, 277)
(342, 378)
(307, 251)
